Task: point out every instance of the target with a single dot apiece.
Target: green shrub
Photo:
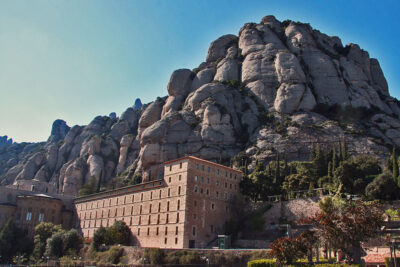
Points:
(154, 255)
(262, 263)
(390, 262)
(184, 257)
(111, 256)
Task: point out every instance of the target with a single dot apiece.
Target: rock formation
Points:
(277, 87)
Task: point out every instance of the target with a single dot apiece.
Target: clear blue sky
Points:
(77, 59)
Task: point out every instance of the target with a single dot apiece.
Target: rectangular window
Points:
(194, 231)
(195, 178)
(180, 165)
(202, 179)
(217, 171)
(29, 216)
(212, 206)
(202, 167)
(176, 230)
(197, 166)
(208, 169)
(176, 240)
(157, 231)
(41, 216)
(165, 241)
(195, 188)
(170, 167)
(180, 177)
(208, 180)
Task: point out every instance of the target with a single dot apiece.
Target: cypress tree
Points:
(340, 154)
(345, 153)
(312, 152)
(334, 160)
(395, 166)
(330, 169)
(277, 170)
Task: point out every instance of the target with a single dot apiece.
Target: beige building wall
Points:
(29, 208)
(169, 212)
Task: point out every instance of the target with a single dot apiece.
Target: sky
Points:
(75, 60)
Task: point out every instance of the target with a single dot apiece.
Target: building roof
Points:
(202, 160)
(125, 190)
(7, 204)
(39, 195)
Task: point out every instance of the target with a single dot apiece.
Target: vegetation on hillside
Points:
(332, 169)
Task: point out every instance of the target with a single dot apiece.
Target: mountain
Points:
(277, 87)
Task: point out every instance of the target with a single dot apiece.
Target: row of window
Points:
(87, 223)
(196, 179)
(131, 209)
(217, 171)
(108, 202)
(207, 192)
(28, 217)
(203, 168)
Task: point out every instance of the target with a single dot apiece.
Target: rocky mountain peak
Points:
(275, 88)
(59, 130)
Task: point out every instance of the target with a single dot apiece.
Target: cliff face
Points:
(276, 87)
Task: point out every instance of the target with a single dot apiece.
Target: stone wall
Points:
(292, 210)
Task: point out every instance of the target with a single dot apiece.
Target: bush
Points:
(119, 233)
(154, 255)
(111, 256)
(184, 257)
(262, 263)
(390, 262)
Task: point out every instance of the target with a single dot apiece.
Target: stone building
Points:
(188, 208)
(29, 208)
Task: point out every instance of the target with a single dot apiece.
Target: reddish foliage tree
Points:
(287, 250)
(345, 227)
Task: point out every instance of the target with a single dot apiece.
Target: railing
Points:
(317, 192)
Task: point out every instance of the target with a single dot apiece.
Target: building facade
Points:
(188, 208)
(29, 208)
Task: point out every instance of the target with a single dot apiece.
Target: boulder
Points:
(180, 82)
(202, 77)
(58, 131)
(219, 47)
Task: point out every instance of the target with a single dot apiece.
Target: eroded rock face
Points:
(259, 93)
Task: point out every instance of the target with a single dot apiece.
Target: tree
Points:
(395, 164)
(43, 231)
(343, 225)
(13, 241)
(89, 188)
(63, 242)
(119, 233)
(98, 237)
(287, 250)
(382, 187)
(71, 241)
(356, 173)
(55, 246)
